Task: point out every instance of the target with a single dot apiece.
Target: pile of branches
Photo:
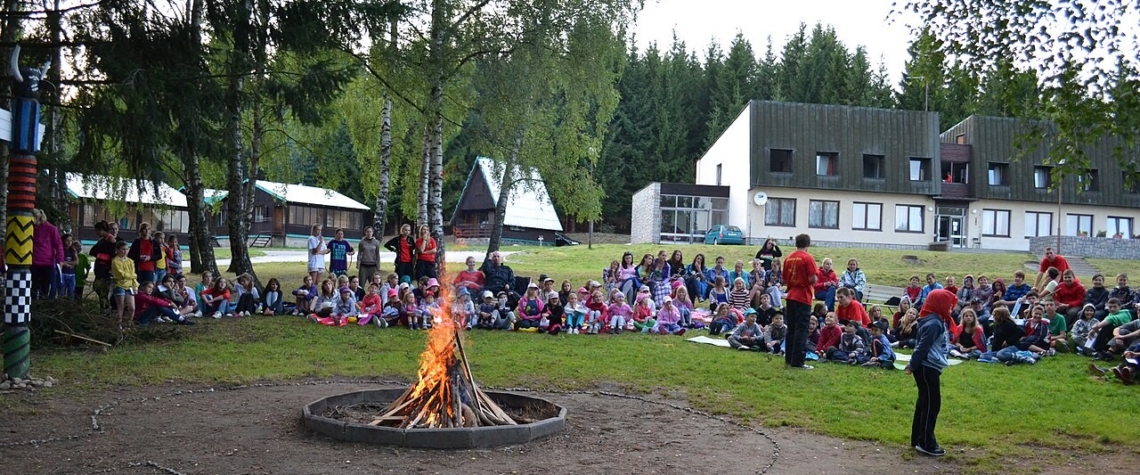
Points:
(69, 323)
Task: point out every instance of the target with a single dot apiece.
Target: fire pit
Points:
(346, 417)
(444, 409)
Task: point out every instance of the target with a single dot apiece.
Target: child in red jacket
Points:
(149, 308)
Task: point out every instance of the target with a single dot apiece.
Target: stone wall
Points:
(645, 223)
(1096, 247)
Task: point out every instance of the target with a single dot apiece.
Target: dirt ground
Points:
(169, 429)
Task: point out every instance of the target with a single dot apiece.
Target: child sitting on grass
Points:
(970, 341)
(1082, 327)
(829, 336)
(1036, 337)
(272, 302)
(247, 296)
(775, 334)
(669, 318)
(344, 306)
(596, 313)
(555, 312)
(575, 313)
(393, 312)
(217, 298)
(723, 320)
(305, 295)
(152, 308)
(851, 349)
(371, 306)
(643, 316)
(747, 336)
(882, 356)
(619, 312)
(908, 329)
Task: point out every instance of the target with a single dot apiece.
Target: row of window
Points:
(827, 164)
(911, 219)
(329, 218)
(995, 223)
(824, 214)
(166, 220)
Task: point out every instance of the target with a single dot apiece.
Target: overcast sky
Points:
(697, 22)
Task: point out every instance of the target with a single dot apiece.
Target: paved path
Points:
(1079, 266)
(303, 256)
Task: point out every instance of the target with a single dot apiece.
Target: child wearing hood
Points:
(669, 318)
(463, 310)
(926, 365)
(1083, 327)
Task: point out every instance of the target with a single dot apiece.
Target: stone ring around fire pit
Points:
(334, 416)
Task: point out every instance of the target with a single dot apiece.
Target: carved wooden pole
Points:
(23, 146)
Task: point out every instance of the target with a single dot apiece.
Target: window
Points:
(919, 169)
(868, 216)
(823, 214)
(1119, 226)
(779, 161)
(1042, 178)
(999, 174)
(1038, 224)
(1078, 224)
(960, 139)
(718, 169)
(304, 216)
(995, 223)
(827, 164)
(780, 212)
(873, 167)
(908, 219)
(259, 215)
(1089, 181)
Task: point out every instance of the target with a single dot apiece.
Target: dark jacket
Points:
(497, 278)
(393, 245)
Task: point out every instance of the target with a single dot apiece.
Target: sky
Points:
(697, 22)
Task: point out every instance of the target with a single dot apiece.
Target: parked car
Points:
(564, 240)
(722, 234)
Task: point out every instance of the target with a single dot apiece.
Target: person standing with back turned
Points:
(926, 365)
(800, 273)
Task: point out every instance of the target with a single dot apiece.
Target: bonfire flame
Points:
(445, 393)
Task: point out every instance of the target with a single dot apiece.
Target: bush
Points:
(66, 322)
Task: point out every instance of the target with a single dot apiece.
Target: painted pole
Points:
(23, 146)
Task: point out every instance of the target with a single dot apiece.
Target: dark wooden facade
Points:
(848, 133)
(711, 191)
(475, 214)
(86, 212)
(275, 217)
(998, 141)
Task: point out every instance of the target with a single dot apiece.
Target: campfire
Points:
(445, 394)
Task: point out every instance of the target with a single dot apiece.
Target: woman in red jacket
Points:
(426, 248)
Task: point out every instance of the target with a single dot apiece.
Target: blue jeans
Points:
(575, 319)
(158, 275)
(221, 306)
(68, 289)
(154, 312)
(828, 298)
(145, 276)
(1003, 355)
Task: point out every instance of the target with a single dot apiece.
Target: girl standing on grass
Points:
(272, 303)
(217, 298)
(126, 285)
(426, 248)
(926, 364)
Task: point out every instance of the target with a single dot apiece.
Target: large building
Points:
(530, 216)
(855, 176)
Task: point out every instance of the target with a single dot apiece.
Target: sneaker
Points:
(681, 332)
(198, 314)
(1051, 352)
(869, 364)
(185, 322)
(229, 315)
(802, 367)
(955, 353)
(1096, 370)
(217, 314)
(743, 348)
(935, 452)
(1126, 375)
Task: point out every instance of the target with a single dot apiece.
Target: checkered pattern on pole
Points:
(18, 297)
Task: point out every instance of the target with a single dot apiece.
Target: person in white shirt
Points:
(317, 251)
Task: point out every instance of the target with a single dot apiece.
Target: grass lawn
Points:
(224, 253)
(1000, 410)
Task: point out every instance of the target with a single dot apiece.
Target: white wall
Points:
(731, 152)
(845, 233)
(1017, 240)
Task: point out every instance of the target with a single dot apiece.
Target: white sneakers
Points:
(217, 314)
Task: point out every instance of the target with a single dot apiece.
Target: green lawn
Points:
(224, 253)
(997, 409)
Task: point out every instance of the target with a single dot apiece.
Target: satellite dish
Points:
(760, 198)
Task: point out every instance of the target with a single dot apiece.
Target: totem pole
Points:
(23, 146)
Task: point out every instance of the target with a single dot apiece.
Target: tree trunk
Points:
(425, 167)
(385, 166)
(435, 189)
(237, 209)
(201, 250)
(506, 183)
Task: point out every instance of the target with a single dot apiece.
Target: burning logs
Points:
(445, 394)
